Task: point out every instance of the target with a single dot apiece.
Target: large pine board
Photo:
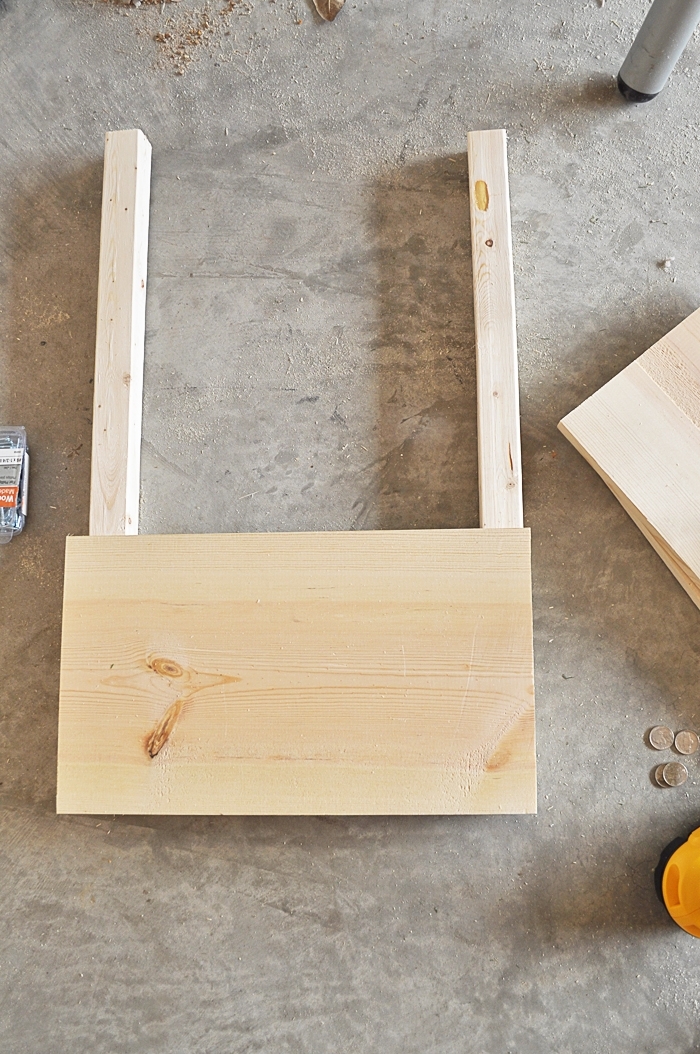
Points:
(641, 432)
(360, 672)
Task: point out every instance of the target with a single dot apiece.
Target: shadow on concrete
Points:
(582, 889)
(545, 893)
(53, 246)
(599, 93)
(426, 474)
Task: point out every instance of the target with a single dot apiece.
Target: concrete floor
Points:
(310, 365)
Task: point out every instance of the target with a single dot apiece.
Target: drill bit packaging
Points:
(14, 480)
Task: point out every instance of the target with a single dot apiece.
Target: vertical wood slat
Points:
(119, 345)
(498, 403)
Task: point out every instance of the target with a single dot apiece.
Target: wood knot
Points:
(161, 733)
(188, 683)
(166, 667)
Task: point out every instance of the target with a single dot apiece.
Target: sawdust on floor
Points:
(187, 30)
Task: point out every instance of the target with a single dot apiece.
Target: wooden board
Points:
(344, 673)
(362, 672)
(498, 401)
(119, 345)
(641, 432)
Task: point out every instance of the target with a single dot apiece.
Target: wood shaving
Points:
(328, 9)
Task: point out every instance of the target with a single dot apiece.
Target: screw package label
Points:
(10, 472)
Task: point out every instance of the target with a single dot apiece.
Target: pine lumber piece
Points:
(641, 433)
(498, 400)
(119, 345)
(377, 672)
(343, 673)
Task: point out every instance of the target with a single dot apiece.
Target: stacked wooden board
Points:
(641, 433)
(359, 672)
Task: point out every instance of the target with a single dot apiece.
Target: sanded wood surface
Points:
(348, 673)
(641, 432)
(498, 400)
(119, 345)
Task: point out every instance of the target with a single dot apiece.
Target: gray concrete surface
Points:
(310, 365)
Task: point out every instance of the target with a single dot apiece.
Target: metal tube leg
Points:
(657, 47)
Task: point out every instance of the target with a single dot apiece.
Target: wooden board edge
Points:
(678, 568)
(508, 792)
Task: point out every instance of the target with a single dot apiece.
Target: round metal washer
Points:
(661, 737)
(675, 773)
(687, 742)
(659, 776)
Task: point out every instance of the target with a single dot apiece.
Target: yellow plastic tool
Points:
(680, 885)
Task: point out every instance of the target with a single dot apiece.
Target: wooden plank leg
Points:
(121, 326)
(498, 403)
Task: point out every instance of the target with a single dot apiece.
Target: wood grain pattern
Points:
(362, 672)
(119, 345)
(641, 433)
(498, 400)
(673, 363)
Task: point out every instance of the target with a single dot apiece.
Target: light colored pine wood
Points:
(498, 401)
(345, 673)
(641, 432)
(681, 571)
(365, 672)
(119, 347)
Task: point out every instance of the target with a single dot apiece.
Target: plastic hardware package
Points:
(14, 480)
